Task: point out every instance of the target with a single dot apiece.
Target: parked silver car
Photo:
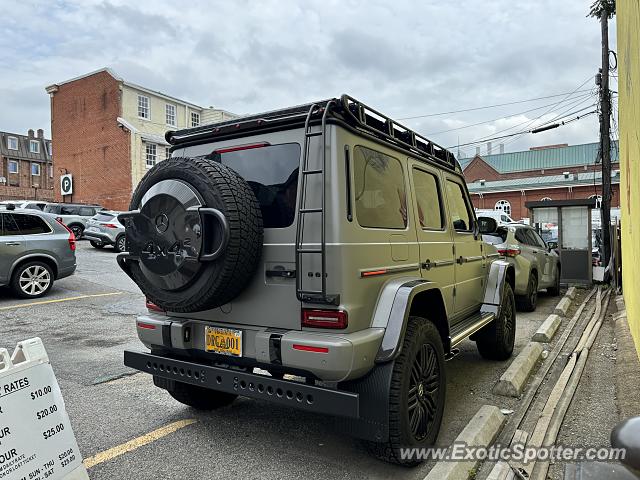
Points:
(537, 265)
(105, 229)
(73, 215)
(35, 250)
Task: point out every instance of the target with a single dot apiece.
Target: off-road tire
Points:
(200, 398)
(95, 244)
(220, 281)
(529, 301)
(420, 332)
(496, 340)
(555, 290)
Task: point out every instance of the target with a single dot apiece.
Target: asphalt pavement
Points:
(87, 321)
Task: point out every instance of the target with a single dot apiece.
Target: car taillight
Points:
(510, 251)
(324, 318)
(72, 237)
(109, 225)
(153, 307)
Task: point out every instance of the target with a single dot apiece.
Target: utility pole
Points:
(605, 9)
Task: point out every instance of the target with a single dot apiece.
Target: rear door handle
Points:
(13, 244)
(535, 251)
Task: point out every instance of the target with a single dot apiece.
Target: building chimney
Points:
(30, 133)
(488, 148)
(478, 151)
(40, 133)
(502, 148)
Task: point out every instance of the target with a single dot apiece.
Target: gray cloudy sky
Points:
(405, 58)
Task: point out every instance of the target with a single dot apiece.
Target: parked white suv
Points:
(498, 215)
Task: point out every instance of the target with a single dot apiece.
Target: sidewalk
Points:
(609, 389)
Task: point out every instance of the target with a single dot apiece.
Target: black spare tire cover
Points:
(194, 234)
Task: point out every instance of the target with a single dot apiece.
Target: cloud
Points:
(403, 58)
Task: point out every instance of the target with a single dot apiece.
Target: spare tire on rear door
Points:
(194, 234)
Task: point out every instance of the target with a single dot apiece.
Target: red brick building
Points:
(26, 166)
(107, 132)
(505, 181)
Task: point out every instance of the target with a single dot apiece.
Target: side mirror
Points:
(487, 225)
(552, 245)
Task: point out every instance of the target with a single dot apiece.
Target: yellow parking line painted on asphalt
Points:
(58, 300)
(137, 443)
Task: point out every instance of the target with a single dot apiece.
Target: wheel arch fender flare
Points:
(500, 272)
(394, 308)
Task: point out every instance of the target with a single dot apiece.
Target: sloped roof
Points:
(23, 152)
(541, 181)
(545, 158)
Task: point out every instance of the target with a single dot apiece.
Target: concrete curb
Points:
(481, 430)
(501, 471)
(548, 329)
(512, 381)
(563, 306)
(571, 293)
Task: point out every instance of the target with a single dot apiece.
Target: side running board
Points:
(470, 325)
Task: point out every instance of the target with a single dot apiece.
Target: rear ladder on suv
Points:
(308, 294)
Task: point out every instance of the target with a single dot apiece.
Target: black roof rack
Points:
(346, 108)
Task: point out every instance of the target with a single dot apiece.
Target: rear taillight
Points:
(510, 251)
(72, 237)
(153, 307)
(110, 225)
(324, 318)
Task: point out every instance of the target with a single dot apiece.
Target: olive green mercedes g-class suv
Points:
(325, 244)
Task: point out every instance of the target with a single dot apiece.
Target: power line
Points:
(582, 97)
(490, 106)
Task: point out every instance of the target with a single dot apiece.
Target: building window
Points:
(545, 199)
(143, 106)
(598, 199)
(504, 206)
(151, 154)
(167, 152)
(195, 119)
(170, 114)
(35, 169)
(12, 143)
(50, 169)
(34, 146)
(13, 166)
(50, 148)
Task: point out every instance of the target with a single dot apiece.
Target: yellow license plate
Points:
(225, 341)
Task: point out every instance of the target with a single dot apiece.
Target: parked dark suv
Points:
(74, 215)
(35, 250)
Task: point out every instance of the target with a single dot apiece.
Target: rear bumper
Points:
(285, 392)
(99, 237)
(66, 271)
(347, 355)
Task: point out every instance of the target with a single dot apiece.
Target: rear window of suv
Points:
(104, 217)
(272, 173)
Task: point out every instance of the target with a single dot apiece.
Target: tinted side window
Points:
(521, 236)
(380, 195)
(87, 211)
(66, 210)
(537, 239)
(428, 200)
(9, 226)
(30, 224)
(52, 209)
(460, 213)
